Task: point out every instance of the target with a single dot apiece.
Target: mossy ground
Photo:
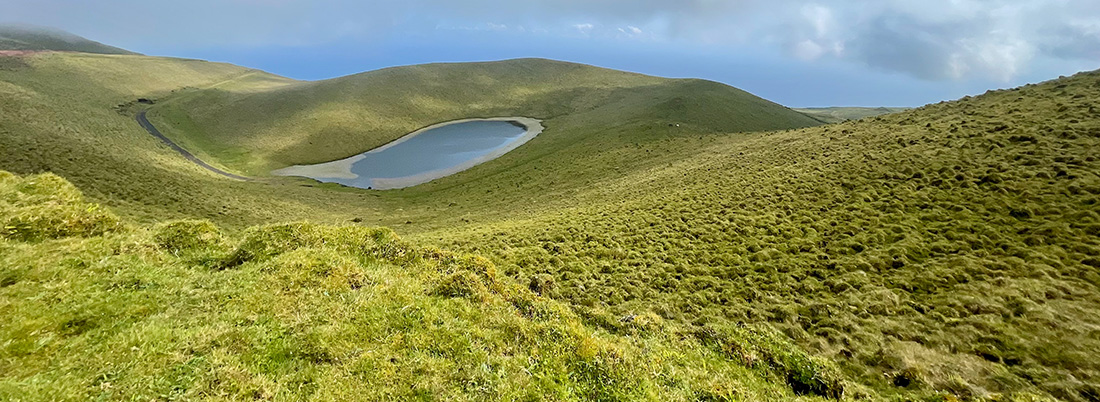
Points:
(944, 252)
(951, 247)
(301, 311)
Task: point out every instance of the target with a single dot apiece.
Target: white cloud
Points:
(819, 17)
(1002, 57)
(823, 37)
(630, 31)
(808, 50)
(956, 66)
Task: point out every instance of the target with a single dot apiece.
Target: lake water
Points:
(425, 155)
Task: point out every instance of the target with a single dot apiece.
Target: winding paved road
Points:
(156, 133)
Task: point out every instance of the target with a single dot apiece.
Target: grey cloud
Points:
(206, 23)
(902, 44)
(1074, 42)
(958, 39)
(605, 10)
(931, 39)
(249, 22)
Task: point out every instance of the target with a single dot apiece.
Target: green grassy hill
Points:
(952, 247)
(18, 37)
(943, 253)
(98, 310)
(71, 114)
(74, 119)
(254, 131)
(841, 114)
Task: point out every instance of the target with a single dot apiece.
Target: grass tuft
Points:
(316, 312)
(187, 235)
(758, 347)
(46, 206)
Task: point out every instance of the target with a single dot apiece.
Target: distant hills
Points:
(32, 38)
(840, 114)
(258, 122)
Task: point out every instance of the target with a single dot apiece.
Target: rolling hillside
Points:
(256, 131)
(71, 114)
(98, 310)
(947, 252)
(19, 37)
(75, 112)
(952, 247)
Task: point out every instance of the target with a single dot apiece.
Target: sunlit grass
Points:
(302, 311)
(948, 250)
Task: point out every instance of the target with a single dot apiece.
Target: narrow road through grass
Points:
(156, 133)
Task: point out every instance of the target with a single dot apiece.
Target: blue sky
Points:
(822, 53)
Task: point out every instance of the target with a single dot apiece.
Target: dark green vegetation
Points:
(93, 310)
(946, 252)
(16, 37)
(842, 114)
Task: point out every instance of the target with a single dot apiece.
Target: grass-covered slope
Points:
(954, 247)
(21, 37)
(948, 249)
(841, 114)
(96, 310)
(62, 115)
(71, 114)
(310, 122)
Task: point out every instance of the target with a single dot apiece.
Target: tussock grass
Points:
(48, 207)
(950, 248)
(303, 311)
(947, 252)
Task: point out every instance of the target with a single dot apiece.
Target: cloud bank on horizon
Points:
(930, 41)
